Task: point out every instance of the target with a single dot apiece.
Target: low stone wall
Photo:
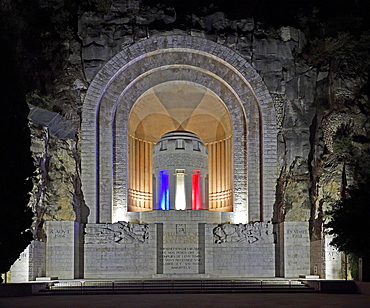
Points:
(30, 264)
(177, 246)
(243, 250)
(119, 250)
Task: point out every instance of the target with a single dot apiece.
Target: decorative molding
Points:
(180, 159)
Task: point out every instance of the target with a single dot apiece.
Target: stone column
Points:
(333, 261)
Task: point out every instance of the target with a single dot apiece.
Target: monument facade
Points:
(179, 164)
(181, 154)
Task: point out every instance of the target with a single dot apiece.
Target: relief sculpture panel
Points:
(120, 232)
(247, 233)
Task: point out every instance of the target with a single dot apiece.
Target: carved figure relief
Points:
(248, 233)
(124, 232)
(120, 232)
(181, 229)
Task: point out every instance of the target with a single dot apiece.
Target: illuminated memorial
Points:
(180, 172)
(159, 206)
(179, 167)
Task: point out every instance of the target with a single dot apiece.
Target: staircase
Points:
(175, 286)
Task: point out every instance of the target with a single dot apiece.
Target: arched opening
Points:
(183, 60)
(179, 105)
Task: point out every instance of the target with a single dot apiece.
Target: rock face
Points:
(56, 194)
(313, 144)
(296, 204)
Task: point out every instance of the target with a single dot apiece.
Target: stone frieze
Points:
(247, 233)
(120, 232)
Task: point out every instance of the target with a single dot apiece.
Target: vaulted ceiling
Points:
(179, 105)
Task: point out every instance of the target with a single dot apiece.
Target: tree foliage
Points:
(349, 222)
(336, 38)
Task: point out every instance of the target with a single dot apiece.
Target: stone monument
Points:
(181, 148)
(180, 172)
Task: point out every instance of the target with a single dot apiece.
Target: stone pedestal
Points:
(295, 248)
(317, 258)
(333, 261)
(64, 249)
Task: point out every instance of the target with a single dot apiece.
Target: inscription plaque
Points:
(185, 258)
(181, 250)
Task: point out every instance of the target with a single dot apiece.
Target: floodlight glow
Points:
(196, 195)
(180, 200)
(164, 191)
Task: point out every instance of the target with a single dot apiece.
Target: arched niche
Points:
(179, 105)
(145, 65)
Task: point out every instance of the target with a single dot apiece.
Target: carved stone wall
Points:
(178, 159)
(119, 250)
(246, 233)
(243, 250)
(179, 244)
(120, 232)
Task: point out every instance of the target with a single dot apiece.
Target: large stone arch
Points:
(139, 67)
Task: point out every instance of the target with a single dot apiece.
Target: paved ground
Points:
(276, 300)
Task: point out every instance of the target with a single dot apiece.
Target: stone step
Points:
(46, 278)
(309, 276)
(180, 286)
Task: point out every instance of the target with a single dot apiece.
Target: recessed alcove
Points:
(173, 83)
(180, 105)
